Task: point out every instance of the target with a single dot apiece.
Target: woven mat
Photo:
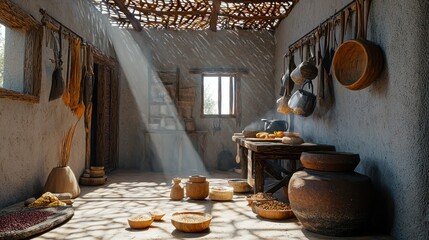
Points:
(59, 216)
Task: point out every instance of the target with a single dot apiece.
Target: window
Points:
(219, 95)
(12, 58)
(20, 53)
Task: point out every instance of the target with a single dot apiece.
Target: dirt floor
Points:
(102, 212)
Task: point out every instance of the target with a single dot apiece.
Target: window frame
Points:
(234, 93)
(12, 16)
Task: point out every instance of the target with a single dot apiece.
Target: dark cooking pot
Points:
(275, 125)
(303, 102)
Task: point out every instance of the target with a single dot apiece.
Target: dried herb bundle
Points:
(65, 148)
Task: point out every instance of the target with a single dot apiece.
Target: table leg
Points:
(250, 166)
(243, 160)
(292, 165)
(259, 176)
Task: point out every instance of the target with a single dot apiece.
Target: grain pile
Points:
(141, 217)
(274, 205)
(260, 196)
(190, 218)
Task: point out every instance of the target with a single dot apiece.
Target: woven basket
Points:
(221, 194)
(180, 222)
(239, 185)
(274, 214)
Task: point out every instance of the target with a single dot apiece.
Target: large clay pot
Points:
(330, 203)
(62, 180)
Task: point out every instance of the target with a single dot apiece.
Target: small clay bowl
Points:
(140, 221)
(157, 215)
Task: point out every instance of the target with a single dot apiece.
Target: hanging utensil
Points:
(66, 95)
(283, 78)
(305, 70)
(320, 84)
(57, 88)
(359, 62)
(282, 102)
(302, 101)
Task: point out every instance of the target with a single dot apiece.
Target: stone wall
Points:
(30, 133)
(166, 50)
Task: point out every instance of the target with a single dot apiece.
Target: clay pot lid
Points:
(330, 161)
(197, 178)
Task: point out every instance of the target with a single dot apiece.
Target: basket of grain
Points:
(239, 185)
(273, 210)
(260, 197)
(191, 221)
(140, 221)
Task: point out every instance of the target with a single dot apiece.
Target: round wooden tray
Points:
(59, 216)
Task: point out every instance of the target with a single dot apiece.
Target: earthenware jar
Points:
(197, 187)
(62, 180)
(330, 198)
(177, 192)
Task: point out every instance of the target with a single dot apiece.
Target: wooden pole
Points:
(214, 16)
(130, 16)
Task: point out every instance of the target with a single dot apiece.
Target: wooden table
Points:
(253, 156)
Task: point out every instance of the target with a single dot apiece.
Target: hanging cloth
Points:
(75, 78)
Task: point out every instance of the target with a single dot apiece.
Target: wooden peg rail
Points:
(320, 30)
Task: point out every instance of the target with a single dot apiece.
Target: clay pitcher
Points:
(177, 192)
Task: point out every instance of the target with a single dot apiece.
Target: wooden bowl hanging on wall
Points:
(357, 63)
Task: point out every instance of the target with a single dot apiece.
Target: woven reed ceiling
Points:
(196, 14)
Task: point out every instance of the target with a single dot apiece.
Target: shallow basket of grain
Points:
(191, 221)
(140, 221)
(274, 210)
(259, 197)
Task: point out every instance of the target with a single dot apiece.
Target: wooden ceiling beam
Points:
(254, 17)
(136, 24)
(169, 13)
(214, 15)
(191, 13)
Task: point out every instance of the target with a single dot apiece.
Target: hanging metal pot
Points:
(303, 102)
(275, 125)
(305, 70)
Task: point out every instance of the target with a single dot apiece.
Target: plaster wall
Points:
(386, 123)
(166, 50)
(30, 133)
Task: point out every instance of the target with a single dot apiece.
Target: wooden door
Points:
(105, 117)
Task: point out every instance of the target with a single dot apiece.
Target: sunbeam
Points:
(138, 72)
